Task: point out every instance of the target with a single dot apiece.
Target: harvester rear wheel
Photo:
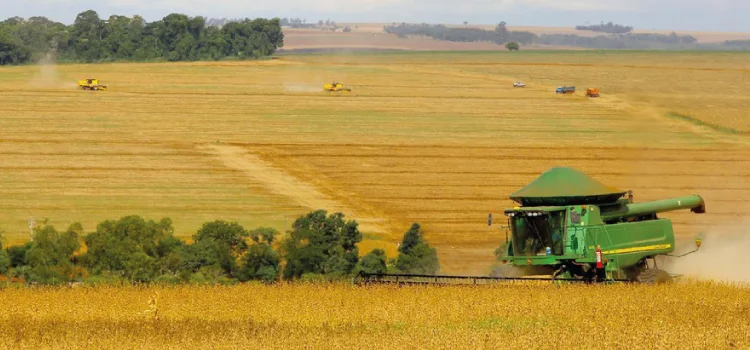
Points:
(655, 276)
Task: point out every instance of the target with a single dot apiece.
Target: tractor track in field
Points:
(281, 183)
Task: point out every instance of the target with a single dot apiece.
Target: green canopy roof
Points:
(565, 186)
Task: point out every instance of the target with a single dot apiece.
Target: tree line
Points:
(176, 37)
(609, 27)
(501, 35)
(320, 246)
(295, 22)
(738, 44)
(628, 41)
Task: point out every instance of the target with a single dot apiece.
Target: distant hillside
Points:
(307, 40)
(369, 36)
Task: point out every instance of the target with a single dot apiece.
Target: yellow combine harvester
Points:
(91, 84)
(336, 87)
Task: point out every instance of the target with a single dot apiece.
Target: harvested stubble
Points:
(439, 139)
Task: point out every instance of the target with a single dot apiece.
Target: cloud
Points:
(581, 5)
(678, 14)
(464, 7)
(336, 7)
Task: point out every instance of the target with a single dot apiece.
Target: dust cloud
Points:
(302, 88)
(310, 74)
(720, 257)
(48, 75)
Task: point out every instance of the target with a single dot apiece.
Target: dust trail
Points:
(48, 75)
(720, 258)
(302, 88)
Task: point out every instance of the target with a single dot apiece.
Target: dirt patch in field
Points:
(282, 183)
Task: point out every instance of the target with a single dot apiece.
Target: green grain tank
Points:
(575, 227)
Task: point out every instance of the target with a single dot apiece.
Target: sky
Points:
(686, 15)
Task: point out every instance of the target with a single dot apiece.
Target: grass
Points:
(518, 316)
(439, 139)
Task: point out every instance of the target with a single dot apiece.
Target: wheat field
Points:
(340, 316)
(436, 138)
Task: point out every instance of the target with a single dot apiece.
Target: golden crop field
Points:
(436, 138)
(342, 316)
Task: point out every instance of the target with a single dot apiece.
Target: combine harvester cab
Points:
(576, 228)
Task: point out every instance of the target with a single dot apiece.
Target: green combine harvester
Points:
(571, 227)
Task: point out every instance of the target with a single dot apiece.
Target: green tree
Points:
(87, 35)
(415, 255)
(175, 37)
(226, 240)
(512, 46)
(231, 234)
(373, 262)
(321, 244)
(50, 255)
(17, 254)
(140, 267)
(12, 49)
(131, 247)
(265, 235)
(5, 262)
(261, 262)
(208, 257)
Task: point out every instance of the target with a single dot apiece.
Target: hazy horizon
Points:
(685, 15)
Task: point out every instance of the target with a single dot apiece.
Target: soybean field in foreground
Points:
(695, 315)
